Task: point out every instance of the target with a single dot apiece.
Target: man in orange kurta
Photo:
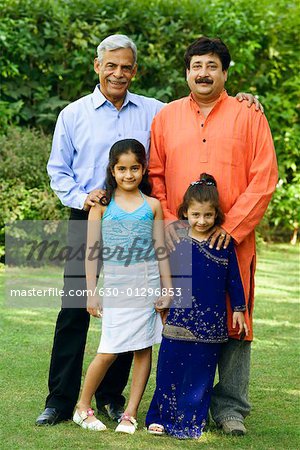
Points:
(211, 132)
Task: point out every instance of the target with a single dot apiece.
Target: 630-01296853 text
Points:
(140, 292)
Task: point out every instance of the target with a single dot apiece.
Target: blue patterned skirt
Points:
(184, 382)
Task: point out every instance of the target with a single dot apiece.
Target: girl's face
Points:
(128, 172)
(201, 217)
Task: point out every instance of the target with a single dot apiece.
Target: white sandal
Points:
(159, 432)
(80, 417)
(129, 429)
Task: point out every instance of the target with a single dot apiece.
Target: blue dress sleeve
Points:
(234, 285)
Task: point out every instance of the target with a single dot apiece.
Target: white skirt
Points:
(129, 320)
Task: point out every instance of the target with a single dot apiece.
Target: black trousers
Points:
(71, 332)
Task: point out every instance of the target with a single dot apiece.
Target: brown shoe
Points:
(233, 427)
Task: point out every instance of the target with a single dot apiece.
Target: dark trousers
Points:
(230, 396)
(71, 332)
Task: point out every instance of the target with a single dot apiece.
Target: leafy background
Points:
(46, 61)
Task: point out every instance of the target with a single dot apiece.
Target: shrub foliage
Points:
(47, 55)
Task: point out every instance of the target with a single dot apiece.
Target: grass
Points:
(25, 345)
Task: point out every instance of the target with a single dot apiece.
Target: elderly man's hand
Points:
(173, 233)
(171, 236)
(92, 198)
(251, 99)
(219, 237)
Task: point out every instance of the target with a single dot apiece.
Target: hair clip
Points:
(203, 182)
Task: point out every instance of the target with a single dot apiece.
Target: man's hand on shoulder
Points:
(92, 198)
(171, 234)
(219, 238)
(251, 99)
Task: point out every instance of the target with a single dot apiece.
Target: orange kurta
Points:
(234, 144)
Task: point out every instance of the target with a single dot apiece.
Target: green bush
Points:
(24, 183)
(283, 214)
(48, 48)
(23, 157)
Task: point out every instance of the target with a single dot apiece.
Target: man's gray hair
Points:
(115, 42)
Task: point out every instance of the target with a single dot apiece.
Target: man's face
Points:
(115, 73)
(205, 78)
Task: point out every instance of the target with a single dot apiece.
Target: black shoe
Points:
(113, 410)
(50, 416)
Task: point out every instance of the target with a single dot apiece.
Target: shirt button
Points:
(119, 134)
(118, 117)
(202, 125)
(204, 140)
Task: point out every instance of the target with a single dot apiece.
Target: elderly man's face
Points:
(115, 73)
(205, 77)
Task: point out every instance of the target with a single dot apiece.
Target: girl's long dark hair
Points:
(118, 149)
(203, 190)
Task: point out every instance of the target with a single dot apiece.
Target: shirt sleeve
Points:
(234, 283)
(251, 205)
(157, 166)
(60, 169)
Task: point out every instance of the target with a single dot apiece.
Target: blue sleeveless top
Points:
(127, 236)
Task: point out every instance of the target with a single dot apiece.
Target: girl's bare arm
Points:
(92, 257)
(162, 257)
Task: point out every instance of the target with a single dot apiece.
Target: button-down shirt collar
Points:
(99, 99)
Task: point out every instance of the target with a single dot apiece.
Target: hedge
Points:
(48, 48)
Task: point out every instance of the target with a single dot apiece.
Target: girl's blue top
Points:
(127, 236)
(205, 276)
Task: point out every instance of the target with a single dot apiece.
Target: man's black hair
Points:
(204, 46)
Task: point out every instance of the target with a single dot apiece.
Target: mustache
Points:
(204, 80)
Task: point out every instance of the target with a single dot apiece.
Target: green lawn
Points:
(25, 345)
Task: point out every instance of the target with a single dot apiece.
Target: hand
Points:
(171, 235)
(164, 315)
(238, 318)
(163, 303)
(92, 198)
(220, 237)
(162, 306)
(94, 305)
(251, 99)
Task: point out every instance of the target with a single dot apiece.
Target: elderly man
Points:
(84, 133)
(209, 131)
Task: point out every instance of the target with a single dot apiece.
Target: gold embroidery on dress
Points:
(175, 332)
(182, 334)
(223, 261)
(206, 252)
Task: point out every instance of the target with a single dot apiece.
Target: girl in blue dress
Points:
(196, 324)
(132, 233)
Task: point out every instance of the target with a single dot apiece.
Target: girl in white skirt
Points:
(136, 278)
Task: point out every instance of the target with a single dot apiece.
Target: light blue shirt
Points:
(84, 133)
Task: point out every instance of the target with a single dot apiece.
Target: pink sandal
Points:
(80, 417)
(129, 429)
